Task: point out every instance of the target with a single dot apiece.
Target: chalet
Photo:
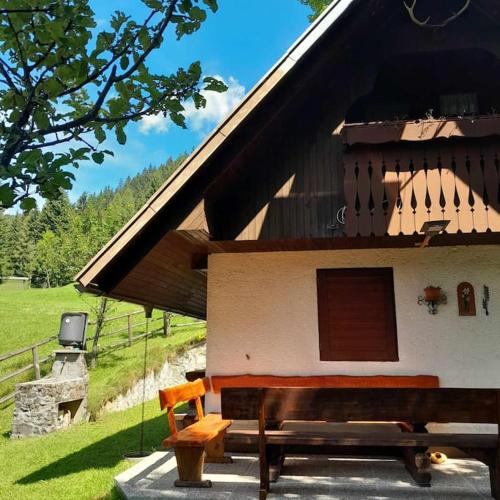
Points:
(345, 218)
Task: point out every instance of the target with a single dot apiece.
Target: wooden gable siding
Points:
(279, 175)
(133, 273)
(289, 183)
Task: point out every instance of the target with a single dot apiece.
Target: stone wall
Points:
(172, 373)
(43, 406)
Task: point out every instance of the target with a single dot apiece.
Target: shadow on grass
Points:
(106, 453)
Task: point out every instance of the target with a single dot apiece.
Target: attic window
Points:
(356, 315)
(459, 104)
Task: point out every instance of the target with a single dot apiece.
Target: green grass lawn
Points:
(118, 370)
(28, 316)
(34, 314)
(79, 462)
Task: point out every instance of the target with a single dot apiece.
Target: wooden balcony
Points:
(393, 188)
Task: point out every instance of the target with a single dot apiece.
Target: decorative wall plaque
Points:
(466, 299)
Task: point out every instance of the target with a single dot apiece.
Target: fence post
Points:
(166, 323)
(101, 314)
(129, 330)
(36, 362)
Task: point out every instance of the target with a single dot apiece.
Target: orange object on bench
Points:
(191, 443)
(327, 381)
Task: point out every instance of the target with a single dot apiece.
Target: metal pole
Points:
(144, 385)
(141, 453)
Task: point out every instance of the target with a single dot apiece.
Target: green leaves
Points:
(153, 4)
(124, 62)
(214, 85)
(7, 195)
(28, 204)
(99, 134)
(69, 84)
(98, 157)
(198, 14)
(178, 119)
(118, 107)
(317, 7)
(120, 135)
(41, 118)
(211, 4)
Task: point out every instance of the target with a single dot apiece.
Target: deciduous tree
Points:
(66, 84)
(317, 7)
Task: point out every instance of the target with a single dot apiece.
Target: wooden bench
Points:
(418, 406)
(275, 453)
(332, 381)
(205, 437)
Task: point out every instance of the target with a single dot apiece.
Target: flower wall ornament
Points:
(433, 296)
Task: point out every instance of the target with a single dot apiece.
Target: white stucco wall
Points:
(262, 314)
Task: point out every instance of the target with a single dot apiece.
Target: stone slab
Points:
(345, 478)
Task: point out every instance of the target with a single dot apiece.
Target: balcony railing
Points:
(394, 190)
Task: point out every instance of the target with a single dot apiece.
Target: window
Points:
(356, 315)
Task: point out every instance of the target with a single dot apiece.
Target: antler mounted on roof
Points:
(425, 24)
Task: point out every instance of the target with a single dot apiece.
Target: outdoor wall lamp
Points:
(433, 296)
(431, 228)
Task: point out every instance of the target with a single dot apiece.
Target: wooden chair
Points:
(206, 436)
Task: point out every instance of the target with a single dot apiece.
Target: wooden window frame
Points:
(327, 353)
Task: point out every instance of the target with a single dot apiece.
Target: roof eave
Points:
(214, 141)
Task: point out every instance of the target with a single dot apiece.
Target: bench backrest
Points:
(332, 381)
(341, 405)
(183, 393)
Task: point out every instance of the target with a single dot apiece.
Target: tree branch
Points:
(55, 142)
(48, 51)
(154, 43)
(12, 72)
(97, 73)
(4, 69)
(149, 110)
(91, 115)
(26, 11)
(24, 63)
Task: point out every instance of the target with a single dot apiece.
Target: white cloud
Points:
(218, 106)
(155, 123)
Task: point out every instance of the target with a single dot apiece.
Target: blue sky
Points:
(239, 43)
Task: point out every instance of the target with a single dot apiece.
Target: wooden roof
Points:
(159, 258)
(214, 141)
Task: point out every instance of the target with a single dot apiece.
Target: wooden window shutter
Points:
(356, 315)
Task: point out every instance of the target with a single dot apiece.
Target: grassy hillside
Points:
(34, 314)
(27, 316)
(79, 462)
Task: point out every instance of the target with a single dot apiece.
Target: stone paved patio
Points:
(308, 477)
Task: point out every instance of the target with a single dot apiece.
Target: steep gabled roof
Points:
(214, 141)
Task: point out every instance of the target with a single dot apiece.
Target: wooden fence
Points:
(164, 328)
